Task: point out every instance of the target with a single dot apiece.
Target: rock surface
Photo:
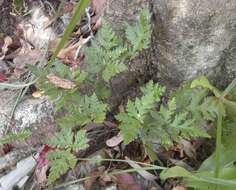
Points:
(190, 38)
(31, 113)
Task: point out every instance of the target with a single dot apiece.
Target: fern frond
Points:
(88, 109)
(130, 127)
(140, 33)
(133, 120)
(93, 109)
(9, 138)
(60, 162)
(65, 140)
(81, 141)
(113, 69)
(106, 54)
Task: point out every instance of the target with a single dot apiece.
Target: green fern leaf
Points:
(81, 141)
(60, 162)
(113, 69)
(11, 137)
(130, 127)
(64, 140)
(139, 34)
(133, 120)
(93, 109)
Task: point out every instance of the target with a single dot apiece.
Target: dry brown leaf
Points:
(37, 94)
(30, 57)
(27, 56)
(153, 188)
(114, 141)
(69, 52)
(179, 188)
(127, 181)
(61, 82)
(188, 149)
(88, 183)
(7, 42)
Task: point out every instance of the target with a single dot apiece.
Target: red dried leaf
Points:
(2, 77)
(88, 183)
(42, 166)
(43, 154)
(127, 181)
(7, 148)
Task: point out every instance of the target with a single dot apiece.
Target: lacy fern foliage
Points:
(142, 119)
(108, 53)
(139, 34)
(60, 162)
(133, 119)
(63, 159)
(80, 94)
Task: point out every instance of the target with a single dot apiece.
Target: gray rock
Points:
(190, 38)
(74, 187)
(37, 115)
(112, 187)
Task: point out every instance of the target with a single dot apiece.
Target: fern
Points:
(132, 121)
(66, 140)
(82, 103)
(9, 138)
(107, 54)
(63, 159)
(142, 120)
(196, 102)
(60, 162)
(139, 34)
(174, 126)
(87, 110)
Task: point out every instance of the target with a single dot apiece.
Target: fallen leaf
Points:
(153, 188)
(179, 188)
(7, 148)
(7, 42)
(61, 82)
(188, 149)
(88, 183)
(70, 55)
(127, 181)
(37, 94)
(2, 77)
(42, 166)
(30, 57)
(114, 141)
(145, 174)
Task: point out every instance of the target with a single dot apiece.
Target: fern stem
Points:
(229, 88)
(107, 174)
(120, 160)
(218, 145)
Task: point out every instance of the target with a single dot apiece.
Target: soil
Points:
(8, 21)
